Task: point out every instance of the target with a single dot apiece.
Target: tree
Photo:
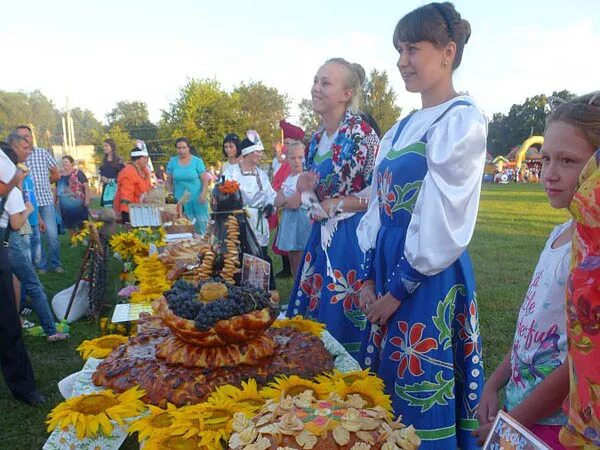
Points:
(522, 121)
(379, 100)
(259, 108)
(120, 135)
(33, 109)
(309, 120)
(87, 127)
(203, 113)
(134, 117)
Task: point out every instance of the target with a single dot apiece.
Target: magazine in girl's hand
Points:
(508, 434)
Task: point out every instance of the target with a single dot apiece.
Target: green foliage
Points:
(33, 109)
(379, 100)
(309, 120)
(260, 108)
(524, 120)
(205, 113)
(133, 117)
(87, 127)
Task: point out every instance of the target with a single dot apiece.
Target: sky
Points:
(96, 53)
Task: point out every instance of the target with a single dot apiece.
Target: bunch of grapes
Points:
(182, 300)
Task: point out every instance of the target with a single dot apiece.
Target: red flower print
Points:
(469, 330)
(377, 334)
(314, 295)
(347, 289)
(412, 348)
(311, 283)
(589, 317)
(387, 197)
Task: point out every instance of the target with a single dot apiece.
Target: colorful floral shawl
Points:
(582, 430)
(353, 154)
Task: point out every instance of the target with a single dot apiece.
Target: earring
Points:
(445, 62)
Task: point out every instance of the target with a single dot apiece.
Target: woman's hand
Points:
(367, 295)
(380, 311)
(202, 199)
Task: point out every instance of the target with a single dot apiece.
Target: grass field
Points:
(514, 222)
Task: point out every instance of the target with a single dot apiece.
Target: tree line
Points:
(204, 112)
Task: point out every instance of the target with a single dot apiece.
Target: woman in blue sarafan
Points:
(419, 287)
(342, 156)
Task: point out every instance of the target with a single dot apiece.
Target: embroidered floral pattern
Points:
(386, 196)
(347, 289)
(353, 156)
(469, 329)
(311, 283)
(412, 348)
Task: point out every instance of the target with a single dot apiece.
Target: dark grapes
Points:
(183, 301)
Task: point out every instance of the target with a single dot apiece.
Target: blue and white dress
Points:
(295, 225)
(328, 283)
(420, 220)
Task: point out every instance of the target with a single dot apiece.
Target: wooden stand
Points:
(94, 262)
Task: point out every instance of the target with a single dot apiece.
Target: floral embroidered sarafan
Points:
(582, 430)
(353, 155)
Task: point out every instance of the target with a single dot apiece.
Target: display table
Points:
(81, 383)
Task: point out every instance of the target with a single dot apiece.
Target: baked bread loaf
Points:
(303, 422)
(176, 351)
(137, 364)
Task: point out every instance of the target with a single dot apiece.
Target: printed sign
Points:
(256, 271)
(126, 312)
(508, 434)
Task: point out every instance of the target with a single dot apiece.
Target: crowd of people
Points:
(375, 232)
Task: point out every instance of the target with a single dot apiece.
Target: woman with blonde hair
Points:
(341, 156)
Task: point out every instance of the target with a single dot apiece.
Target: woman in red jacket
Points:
(133, 181)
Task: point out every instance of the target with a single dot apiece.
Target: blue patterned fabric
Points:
(332, 301)
(429, 353)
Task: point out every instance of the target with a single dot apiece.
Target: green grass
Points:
(514, 222)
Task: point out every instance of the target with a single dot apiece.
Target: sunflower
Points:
(212, 423)
(301, 324)
(350, 377)
(292, 386)
(248, 396)
(82, 236)
(129, 245)
(173, 442)
(92, 412)
(154, 423)
(373, 395)
(101, 347)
